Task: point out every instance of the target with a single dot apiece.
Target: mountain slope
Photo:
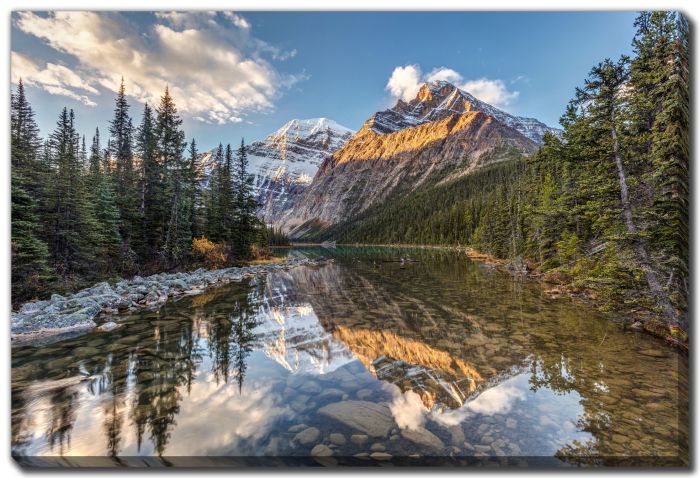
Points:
(439, 99)
(284, 163)
(443, 133)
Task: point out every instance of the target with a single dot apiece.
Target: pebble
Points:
(337, 438)
(308, 436)
(321, 450)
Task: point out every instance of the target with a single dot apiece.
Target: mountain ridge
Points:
(442, 129)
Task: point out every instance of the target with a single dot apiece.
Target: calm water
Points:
(442, 357)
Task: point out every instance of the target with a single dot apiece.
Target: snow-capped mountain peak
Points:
(286, 161)
(438, 99)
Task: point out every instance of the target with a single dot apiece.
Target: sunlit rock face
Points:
(284, 163)
(442, 133)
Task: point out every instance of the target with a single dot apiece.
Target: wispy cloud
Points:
(55, 79)
(405, 81)
(215, 68)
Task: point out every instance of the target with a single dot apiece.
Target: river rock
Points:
(380, 456)
(337, 439)
(321, 450)
(308, 436)
(378, 447)
(373, 419)
(296, 428)
(423, 437)
(107, 326)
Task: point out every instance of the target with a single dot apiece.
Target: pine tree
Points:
(71, 222)
(213, 209)
(121, 131)
(95, 155)
(659, 135)
(153, 187)
(30, 270)
(246, 222)
(107, 221)
(193, 189)
(170, 147)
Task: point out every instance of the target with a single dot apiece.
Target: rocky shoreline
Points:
(94, 306)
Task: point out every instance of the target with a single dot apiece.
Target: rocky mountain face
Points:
(442, 133)
(284, 163)
(438, 100)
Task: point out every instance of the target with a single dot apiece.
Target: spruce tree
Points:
(121, 131)
(170, 148)
(194, 192)
(30, 270)
(71, 223)
(246, 222)
(153, 187)
(214, 212)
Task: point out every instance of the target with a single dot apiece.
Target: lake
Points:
(379, 356)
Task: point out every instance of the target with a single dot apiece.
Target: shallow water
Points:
(437, 357)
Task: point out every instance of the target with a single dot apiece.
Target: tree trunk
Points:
(640, 249)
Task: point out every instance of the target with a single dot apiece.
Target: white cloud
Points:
(237, 20)
(405, 81)
(214, 72)
(53, 78)
(493, 92)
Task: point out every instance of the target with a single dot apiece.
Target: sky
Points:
(239, 75)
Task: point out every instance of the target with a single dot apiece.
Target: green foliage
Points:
(80, 216)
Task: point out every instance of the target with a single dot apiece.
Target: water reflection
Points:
(458, 360)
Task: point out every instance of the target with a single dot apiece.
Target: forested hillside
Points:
(129, 204)
(604, 208)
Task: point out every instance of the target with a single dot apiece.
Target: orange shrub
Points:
(214, 255)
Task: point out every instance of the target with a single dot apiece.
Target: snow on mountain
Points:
(285, 162)
(438, 99)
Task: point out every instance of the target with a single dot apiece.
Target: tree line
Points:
(603, 209)
(131, 204)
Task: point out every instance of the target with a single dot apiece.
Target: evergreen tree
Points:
(30, 270)
(170, 147)
(194, 192)
(214, 212)
(95, 155)
(71, 223)
(601, 98)
(246, 222)
(153, 187)
(121, 131)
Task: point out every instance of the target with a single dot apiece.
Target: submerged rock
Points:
(308, 436)
(423, 437)
(321, 450)
(373, 419)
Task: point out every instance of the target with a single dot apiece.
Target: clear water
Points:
(438, 357)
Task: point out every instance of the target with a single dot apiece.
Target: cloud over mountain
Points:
(405, 81)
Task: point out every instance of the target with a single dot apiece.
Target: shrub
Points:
(212, 254)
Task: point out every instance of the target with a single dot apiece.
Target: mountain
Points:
(442, 134)
(284, 163)
(438, 100)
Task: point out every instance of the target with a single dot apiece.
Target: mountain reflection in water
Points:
(458, 360)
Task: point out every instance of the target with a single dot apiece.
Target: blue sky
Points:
(245, 74)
